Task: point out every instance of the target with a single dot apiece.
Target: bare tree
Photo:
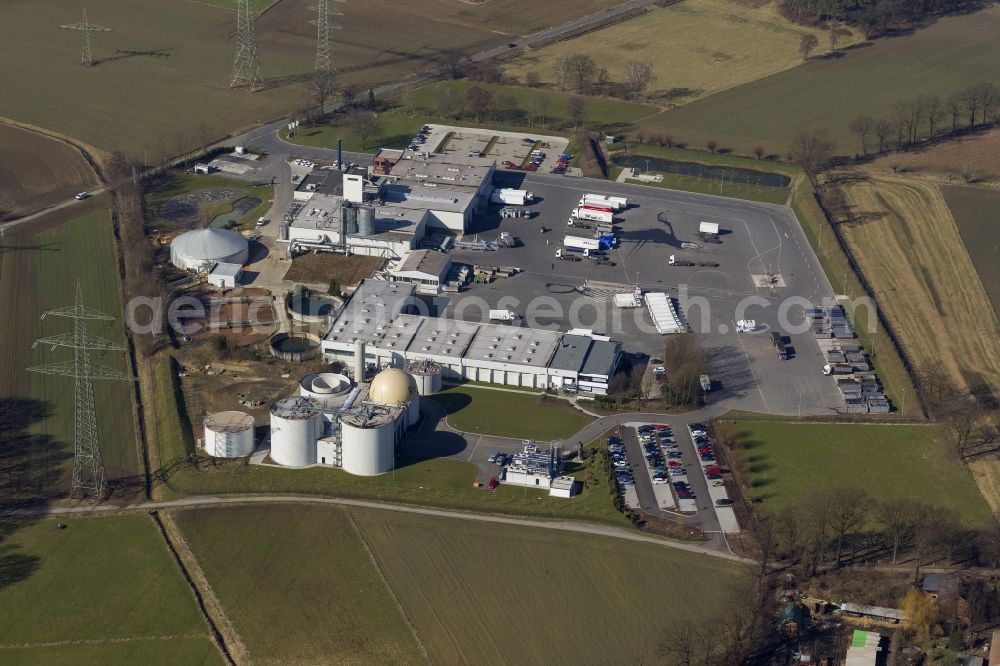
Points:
(575, 111)
(638, 75)
(848, 510)
(532, 79)
(561, 70)
(712, 146)
(989, 99)
(970, 101)
(679, 642)
(635, 375)
(538, 106)
(807, 44)
(480, 100)
(324, 86)
(365, 124)
(349, 95)
(454, 60)
(836, 32)
(812, 149)
(989, 545)
(964, 420)
(446, 102)
(954, 106)
(862, 126)
(581, 70)
(759, 152)
(898, 518)
(933, 110)
(883, 130)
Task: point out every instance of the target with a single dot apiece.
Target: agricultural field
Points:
(952, 53)
(789, 460)
(37, 171)
(39, 270)
(537, 111)
(178, 97)
(976, 213)
(482, 593)
(489, 412)
(696, 47)
(298, 585)
(975, 155)
(102, 590)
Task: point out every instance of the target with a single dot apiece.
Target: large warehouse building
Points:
(380, 314)
(388, 215)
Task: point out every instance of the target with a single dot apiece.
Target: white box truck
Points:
(578, 243)
(503, 315)
(615, 203)
(511, 197)
(604, 216)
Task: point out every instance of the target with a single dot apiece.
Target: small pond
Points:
(294, 345)
(240, 208)
(730, 174)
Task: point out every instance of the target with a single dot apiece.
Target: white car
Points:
(621, 463)
(660, 479)
(80, 196)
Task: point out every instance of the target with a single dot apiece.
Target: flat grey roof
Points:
(445, 170)
(425, 261)
(601, 358)
(406, 194)
(513, 344)
(226, 269)
(323, 211)
(438, 336)
(374, 303)
(570, 353)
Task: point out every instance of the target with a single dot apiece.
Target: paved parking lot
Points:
(756, 238)
(509, 146)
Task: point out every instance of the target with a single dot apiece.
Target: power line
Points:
(86, 27)
(246, 65)
(88, 464)
(324, 45)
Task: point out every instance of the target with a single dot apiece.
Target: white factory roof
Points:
(424, 264)
(374, 303)
(499, 343)
(444, 337)
(208, 244)
(323, 211)
(407, 194)
(224, 269)
(444, 169)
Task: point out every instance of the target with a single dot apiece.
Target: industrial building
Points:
(381, 314)
(339, 423)
(388, 211)
(201, 249)
(535, 468)
(225, 275)
(427, 269)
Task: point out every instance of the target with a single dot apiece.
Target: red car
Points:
(510, 165)
(531, 166)
(493, 483)
(673, 463)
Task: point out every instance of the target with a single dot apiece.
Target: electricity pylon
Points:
(246, 66)
(88, 464)
(87, 59)
(324, 46)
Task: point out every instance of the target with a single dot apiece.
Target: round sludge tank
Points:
(427, 374)
(296, 424)
(368, 439)
(393, 386)
(229, 434)
(201, 249)
(324, 385)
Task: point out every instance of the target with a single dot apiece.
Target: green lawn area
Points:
(789, 460)
(672, 181)
(298, 585)
(177, 182)
(412, 109)
(98, 580)
(482, 593)
(43, 276)
(509, 414)
(940, 59)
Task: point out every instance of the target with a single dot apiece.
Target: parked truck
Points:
(580, 243)
(615, 203)
(504, 315)
(779, 345)
(571, 253)
(511, 197)
(674, 261)
(604, 216)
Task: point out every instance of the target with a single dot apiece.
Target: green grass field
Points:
(412, 109)
(175, 183)
(489, 412)
(99, 581)
(672, 181)
(696, 48)
(480, 593)
(298, 585)
(789, 460)
(39, 272)
(940, 59)
(975, 212)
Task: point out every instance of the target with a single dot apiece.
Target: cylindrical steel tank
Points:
(359, 361)
(412, 412)
(368, 439)
(229, 434)
(296, 424)
(366, 221)
(350, 218)
(324, 385)
(283, 231)
(427, 374)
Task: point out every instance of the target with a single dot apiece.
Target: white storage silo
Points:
(296, 424)
(427, 375)
(324, 385)
(368, 439)
(229, 434)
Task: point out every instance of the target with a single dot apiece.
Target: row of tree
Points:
(873, 17)
(581, 73)
(927, 117)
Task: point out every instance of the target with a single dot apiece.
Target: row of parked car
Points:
(713, 472)
(664, 458)
(499, 458)
(616, 449)
(420, 139)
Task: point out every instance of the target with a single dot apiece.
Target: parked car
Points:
(659, 480)
(493, 483)
(676, 471)
(621, 463)
(723, 501)
(718, 483)
(674, 463)
(501, 458)
(531, 167)
(82, 195)
(493, 457)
